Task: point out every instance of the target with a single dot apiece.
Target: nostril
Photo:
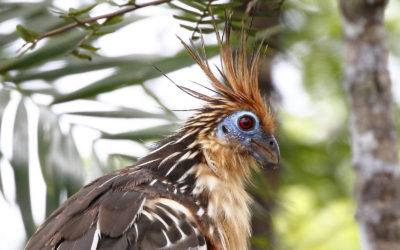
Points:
(271, 143)
(225, 129)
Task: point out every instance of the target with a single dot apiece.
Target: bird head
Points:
(236, 124)
(245, 128)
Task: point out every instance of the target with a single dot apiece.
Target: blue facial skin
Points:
(262, 146)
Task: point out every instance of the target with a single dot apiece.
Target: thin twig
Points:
(93, 19)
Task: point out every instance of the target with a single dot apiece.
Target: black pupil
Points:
(246, 122)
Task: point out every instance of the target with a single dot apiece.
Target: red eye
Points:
(246, 122)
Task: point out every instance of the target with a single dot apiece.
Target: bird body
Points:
(188, 193)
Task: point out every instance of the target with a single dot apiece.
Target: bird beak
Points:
(266, 150)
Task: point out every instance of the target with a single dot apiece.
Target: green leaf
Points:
(47, 132)
(187, 18)
(113, 20)
(38, 19)
(89, 47)
(102, 33)
(59, 159)
(97, 167)
(78, 66)
(197, 19)
(184, 10)
(196, 4)
(121, 113)
(44, 91)
(131, 75)
(21, 10)
(123, 77)
(150, 134)
(55, 48)
(79, 55)
(76, 12)
(4, 99)
(203, 30)
(20, 164)
(27, 34)
(20, 138)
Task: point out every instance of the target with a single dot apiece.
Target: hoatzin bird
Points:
(188, 193)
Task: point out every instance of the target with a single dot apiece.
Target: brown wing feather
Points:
(99, 202)
(56, 226)
(162, 227)
(110, 213)
(84, 242)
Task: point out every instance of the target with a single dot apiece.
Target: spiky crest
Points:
(239, 91)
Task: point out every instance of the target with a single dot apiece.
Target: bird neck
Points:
(223, 176)
(213, 176)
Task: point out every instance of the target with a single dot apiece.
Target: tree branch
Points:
(374, 137)
(93, 19)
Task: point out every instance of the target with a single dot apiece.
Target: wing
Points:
(158, 227)
(119, 211)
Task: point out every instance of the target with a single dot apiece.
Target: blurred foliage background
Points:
(59, 131)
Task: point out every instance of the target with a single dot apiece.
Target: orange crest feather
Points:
(240, 90)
